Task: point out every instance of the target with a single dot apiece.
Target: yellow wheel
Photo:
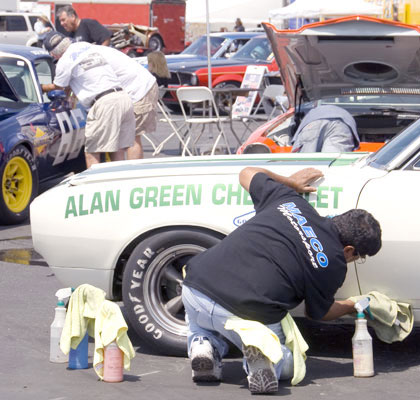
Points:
(19, 185)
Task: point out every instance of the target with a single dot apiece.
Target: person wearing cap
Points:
(85, 29)
(41, 27)
(285, 254)
(110, 123)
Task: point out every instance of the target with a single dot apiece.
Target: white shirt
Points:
(135, 79)
(86, 71)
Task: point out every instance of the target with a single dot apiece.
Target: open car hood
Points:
(345, 56)
(6, 89)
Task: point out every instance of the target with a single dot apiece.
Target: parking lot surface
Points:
(27, 301)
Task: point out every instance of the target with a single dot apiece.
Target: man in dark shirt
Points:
(285, 254)
(83, 30)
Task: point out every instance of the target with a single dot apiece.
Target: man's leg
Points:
(92, 158)
(118, 155)
(135, 152)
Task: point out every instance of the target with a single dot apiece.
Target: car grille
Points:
(180, 78)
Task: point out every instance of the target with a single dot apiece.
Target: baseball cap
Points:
(52, 40)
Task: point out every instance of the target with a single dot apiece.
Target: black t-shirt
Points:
(91, 31)
(283, 255)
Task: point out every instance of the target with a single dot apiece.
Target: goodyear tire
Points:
(152, 284)
(19, 186)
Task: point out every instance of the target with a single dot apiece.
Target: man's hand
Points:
(302, 179)
(299, 181)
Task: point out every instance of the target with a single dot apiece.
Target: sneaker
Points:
(205, 361)
(261, 374)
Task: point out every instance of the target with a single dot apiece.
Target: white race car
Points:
(129, 227)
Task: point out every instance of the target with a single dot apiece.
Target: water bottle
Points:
(113, 363)
(56, 355)
(362, 347)
(78, 358)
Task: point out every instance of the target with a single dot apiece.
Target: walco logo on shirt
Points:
(306, 232)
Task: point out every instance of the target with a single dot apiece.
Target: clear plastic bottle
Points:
(78, 358)
(362, 349)
(56, 355)
(113, 363)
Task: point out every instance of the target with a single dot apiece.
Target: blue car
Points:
(41, 137)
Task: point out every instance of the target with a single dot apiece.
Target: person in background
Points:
(285, 254)
(110, 123)
(238, 26)
(158, 67)
(83, 30)
(42, 27)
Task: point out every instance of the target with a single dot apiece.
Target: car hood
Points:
(345, 56)
(6, 89)
(202, 63)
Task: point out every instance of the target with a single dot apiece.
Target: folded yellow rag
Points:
(393, 320)
(256, 334)
(297, 345)
(109, 326)
(83, 306)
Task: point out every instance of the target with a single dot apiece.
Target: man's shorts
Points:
(110, 124)
(145, 111)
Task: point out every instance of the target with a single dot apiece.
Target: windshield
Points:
(19, 75)
(255, 49)
(383, 157)
(199, 47)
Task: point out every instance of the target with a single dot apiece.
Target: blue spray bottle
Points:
(78, 358)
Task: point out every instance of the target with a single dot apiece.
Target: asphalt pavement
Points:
(27, 301)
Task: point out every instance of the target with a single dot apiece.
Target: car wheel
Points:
(19, 186)
(155, 43)
(132, 53)
(222, 99)
(152, 284)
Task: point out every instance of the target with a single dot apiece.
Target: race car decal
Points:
(72, 135)
(189, 195)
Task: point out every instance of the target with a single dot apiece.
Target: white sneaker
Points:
(205, 361)
(261, 374)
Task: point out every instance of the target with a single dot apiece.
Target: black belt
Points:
(97, 97)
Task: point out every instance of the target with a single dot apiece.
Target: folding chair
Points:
(174, 123)
(201, 96)
(272, 100)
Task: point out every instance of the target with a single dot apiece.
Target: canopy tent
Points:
(325, 8)
(225, 12)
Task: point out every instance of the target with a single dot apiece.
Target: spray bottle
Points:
(362, 342)
(56, 355)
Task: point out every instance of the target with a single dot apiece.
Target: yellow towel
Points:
(393, 321)
(83, 306)
(109, 326)
(256, 334)
(297, 345)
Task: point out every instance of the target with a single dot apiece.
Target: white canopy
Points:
(251, 12)
(325, 8)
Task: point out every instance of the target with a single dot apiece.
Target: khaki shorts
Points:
(145, 111)
(110, 124)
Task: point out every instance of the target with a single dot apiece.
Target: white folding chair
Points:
(208, 117)
(177, 125)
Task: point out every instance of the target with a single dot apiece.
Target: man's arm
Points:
(48, 87)
(338, 309)
(299, 181)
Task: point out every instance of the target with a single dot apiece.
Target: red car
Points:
(225, 73)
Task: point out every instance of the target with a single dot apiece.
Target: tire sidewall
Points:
(138, 272)
(7, 216)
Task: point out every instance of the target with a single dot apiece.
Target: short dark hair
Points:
(359, 229)
(69, 10)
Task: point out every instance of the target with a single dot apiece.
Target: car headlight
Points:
(194, 80)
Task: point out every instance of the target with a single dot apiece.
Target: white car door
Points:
(394, 201)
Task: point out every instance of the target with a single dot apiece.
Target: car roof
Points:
(347, 56)
(31, 53)
(235, 35)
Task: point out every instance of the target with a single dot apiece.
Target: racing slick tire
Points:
(19, 185)
(152, 285)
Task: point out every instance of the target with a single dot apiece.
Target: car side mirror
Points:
(57, 95)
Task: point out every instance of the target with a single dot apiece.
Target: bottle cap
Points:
(60, 303)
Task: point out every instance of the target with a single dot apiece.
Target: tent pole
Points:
(208, 45)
